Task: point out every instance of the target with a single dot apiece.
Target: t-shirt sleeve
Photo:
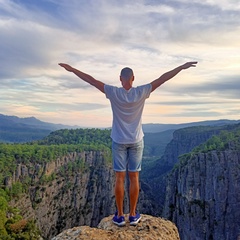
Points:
(146, 89)
(108, 90)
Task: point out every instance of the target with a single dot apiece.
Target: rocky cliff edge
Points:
(150, 228)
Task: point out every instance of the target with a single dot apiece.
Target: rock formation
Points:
(150, 228)
(200, 195)
(184, 140)
(203, 196)
(74, 197)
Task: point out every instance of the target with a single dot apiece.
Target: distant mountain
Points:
(15, 130)
(31, 122)
(159, 127)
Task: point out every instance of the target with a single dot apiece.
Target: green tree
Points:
(16, 189)
(3, 219)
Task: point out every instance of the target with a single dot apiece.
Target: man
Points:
(127, 105)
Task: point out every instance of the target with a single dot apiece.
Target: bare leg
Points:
(119, 191)
(133, 191)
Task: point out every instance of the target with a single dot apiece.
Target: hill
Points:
(17, 130)
(159, 127)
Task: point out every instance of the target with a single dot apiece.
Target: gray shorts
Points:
(127, 156)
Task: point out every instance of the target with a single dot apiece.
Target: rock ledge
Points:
(150, 228)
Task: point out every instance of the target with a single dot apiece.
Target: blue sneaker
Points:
(120, 221)
(134, 220)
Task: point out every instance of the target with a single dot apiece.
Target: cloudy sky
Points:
(100, 37)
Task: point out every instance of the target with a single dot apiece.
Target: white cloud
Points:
(101, 37)
(225, 4)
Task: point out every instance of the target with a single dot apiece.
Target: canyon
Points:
(197, 190)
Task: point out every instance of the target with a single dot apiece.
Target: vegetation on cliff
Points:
(57, 144)
(12, 224)
(39, 153)
(70, 147)
(226, 139)
(202, 191)
(85, 136)
(221, 142)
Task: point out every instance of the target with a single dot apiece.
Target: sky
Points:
(100, 37)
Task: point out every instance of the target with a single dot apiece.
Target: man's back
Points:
(127, 107)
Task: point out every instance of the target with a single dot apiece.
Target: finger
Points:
(193, 64)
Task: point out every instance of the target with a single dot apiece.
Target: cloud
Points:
(206, 114)
(223, 87)
(194, 102)
(101, 37)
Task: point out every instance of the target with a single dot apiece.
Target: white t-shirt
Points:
(127, 107)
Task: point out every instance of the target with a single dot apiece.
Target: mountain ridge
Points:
(14, 129)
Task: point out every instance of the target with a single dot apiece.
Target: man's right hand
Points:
(188, 65)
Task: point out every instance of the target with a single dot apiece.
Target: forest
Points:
(61, 142)
(57, 144)
(225, 140)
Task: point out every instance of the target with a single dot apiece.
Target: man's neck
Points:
(127, 85)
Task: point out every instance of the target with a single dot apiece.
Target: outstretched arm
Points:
(85, 77)
(168, 75)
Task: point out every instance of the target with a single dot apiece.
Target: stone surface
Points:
(72, 198)
(150, 228)
(184, 140)
(203, 196)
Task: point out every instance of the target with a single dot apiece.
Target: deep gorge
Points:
(195, 183)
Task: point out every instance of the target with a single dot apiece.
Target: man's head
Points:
(126, 74)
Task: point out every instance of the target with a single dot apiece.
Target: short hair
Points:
(126, 73)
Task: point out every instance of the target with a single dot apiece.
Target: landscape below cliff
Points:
(190, 176)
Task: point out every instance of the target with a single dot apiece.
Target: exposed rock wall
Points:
(184, 140)
(71, 198)
(84, 196)
(203, 196)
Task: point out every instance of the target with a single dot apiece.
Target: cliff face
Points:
(70, 197)
(203, 196)
(150, 228)
(184, 140)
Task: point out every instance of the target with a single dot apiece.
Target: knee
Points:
(133, 176)
(120, 176)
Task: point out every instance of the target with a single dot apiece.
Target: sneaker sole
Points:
(135, 222)
(120, 224)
